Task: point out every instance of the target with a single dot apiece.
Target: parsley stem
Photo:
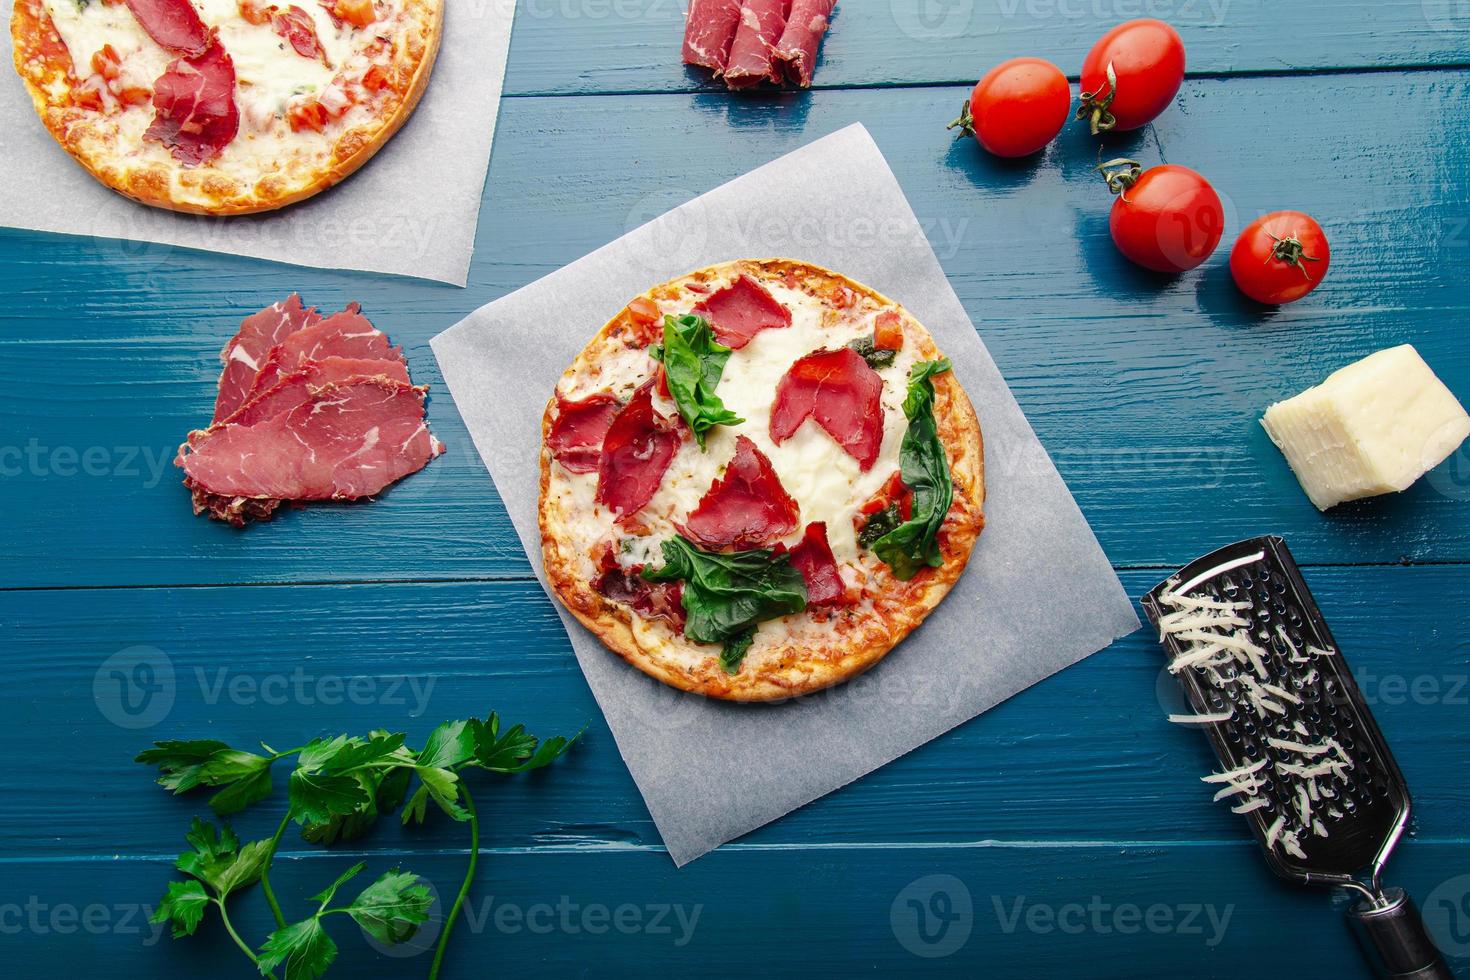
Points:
(230, 928)
(464, 889)
(265, 869)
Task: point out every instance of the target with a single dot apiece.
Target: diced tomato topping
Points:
(843, 298)
(375, 79)
(644, 310)
(89, 95)
(359, 13)
(308, 114)
(888, 331)
(106, 62)
(133, 95)
(253, 12)
(893, 490)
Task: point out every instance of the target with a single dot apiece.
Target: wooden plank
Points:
(1085, 756)
(1031, 911)
(583, 46)
(1145, 390)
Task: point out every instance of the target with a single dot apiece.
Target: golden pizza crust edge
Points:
(792, 669)
(151, 185)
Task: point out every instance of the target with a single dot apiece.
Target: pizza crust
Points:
(45, 67)
(855, 638)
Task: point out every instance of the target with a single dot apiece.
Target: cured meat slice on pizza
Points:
(757, 479)
(224, 106)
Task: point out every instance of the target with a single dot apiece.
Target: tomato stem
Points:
(1120, 174)
(1291, 251)
(965, 123)
(1095, 107)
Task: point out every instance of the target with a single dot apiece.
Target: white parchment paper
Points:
(1039, 594)
(411, 210)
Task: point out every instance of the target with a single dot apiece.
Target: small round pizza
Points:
(757, 479)
(224, 106)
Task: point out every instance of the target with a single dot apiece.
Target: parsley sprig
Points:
(337, 790)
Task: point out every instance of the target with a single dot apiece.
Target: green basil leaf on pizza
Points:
(693, 363)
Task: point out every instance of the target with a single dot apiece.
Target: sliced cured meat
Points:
(174, 24)
(195, 115)
(299, 31)
(246, 351)
(746, 508)
(344, 334)
(750, 61)
(741, 310)
(796, 51)
(842, 393)
(348, 441)
(295, 388)
(709, 32)
(812, 557)
(580, 426)
(636, 452)
(651, 600)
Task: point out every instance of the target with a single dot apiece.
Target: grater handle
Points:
(1392, 935)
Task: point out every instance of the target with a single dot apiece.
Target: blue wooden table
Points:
(1064, 833)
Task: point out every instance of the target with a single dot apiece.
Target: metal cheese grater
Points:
(1303, 759)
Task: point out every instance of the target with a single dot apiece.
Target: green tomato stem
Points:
(464, 889)
(265, 879)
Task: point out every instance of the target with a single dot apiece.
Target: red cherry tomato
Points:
(1280, 258)
(1167, 218)
(1018, 107)
(1131, 75)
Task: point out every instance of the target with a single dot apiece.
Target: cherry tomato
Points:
(1018, 107)
(1280, 258)
(1166, 218)
(1131, 75)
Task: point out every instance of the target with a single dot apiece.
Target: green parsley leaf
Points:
(182, 905)
(516, 750)
(188, 765)
(218, 860)
(182, 762)
(726, 595)
(877, 357)
(304, 947)
(392, 908)
(318, 797)
(318, 753)
(448, 745)
(442, 786)
(693, 363)
(914, 544)
(325, 895)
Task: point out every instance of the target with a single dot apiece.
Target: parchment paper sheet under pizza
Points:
(411, 210)
(1039, 594)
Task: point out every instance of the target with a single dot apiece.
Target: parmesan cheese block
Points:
(1373, 427)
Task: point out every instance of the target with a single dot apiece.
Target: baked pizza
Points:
(757, 479)
(224, 106)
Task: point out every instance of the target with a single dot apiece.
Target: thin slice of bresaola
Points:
(344, 334)
(750, 61)
(709, 32)
(348, 441)
(796, 51)
(243, 355)
(174, 24)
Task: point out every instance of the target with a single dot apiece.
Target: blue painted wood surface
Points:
(1067, 816)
